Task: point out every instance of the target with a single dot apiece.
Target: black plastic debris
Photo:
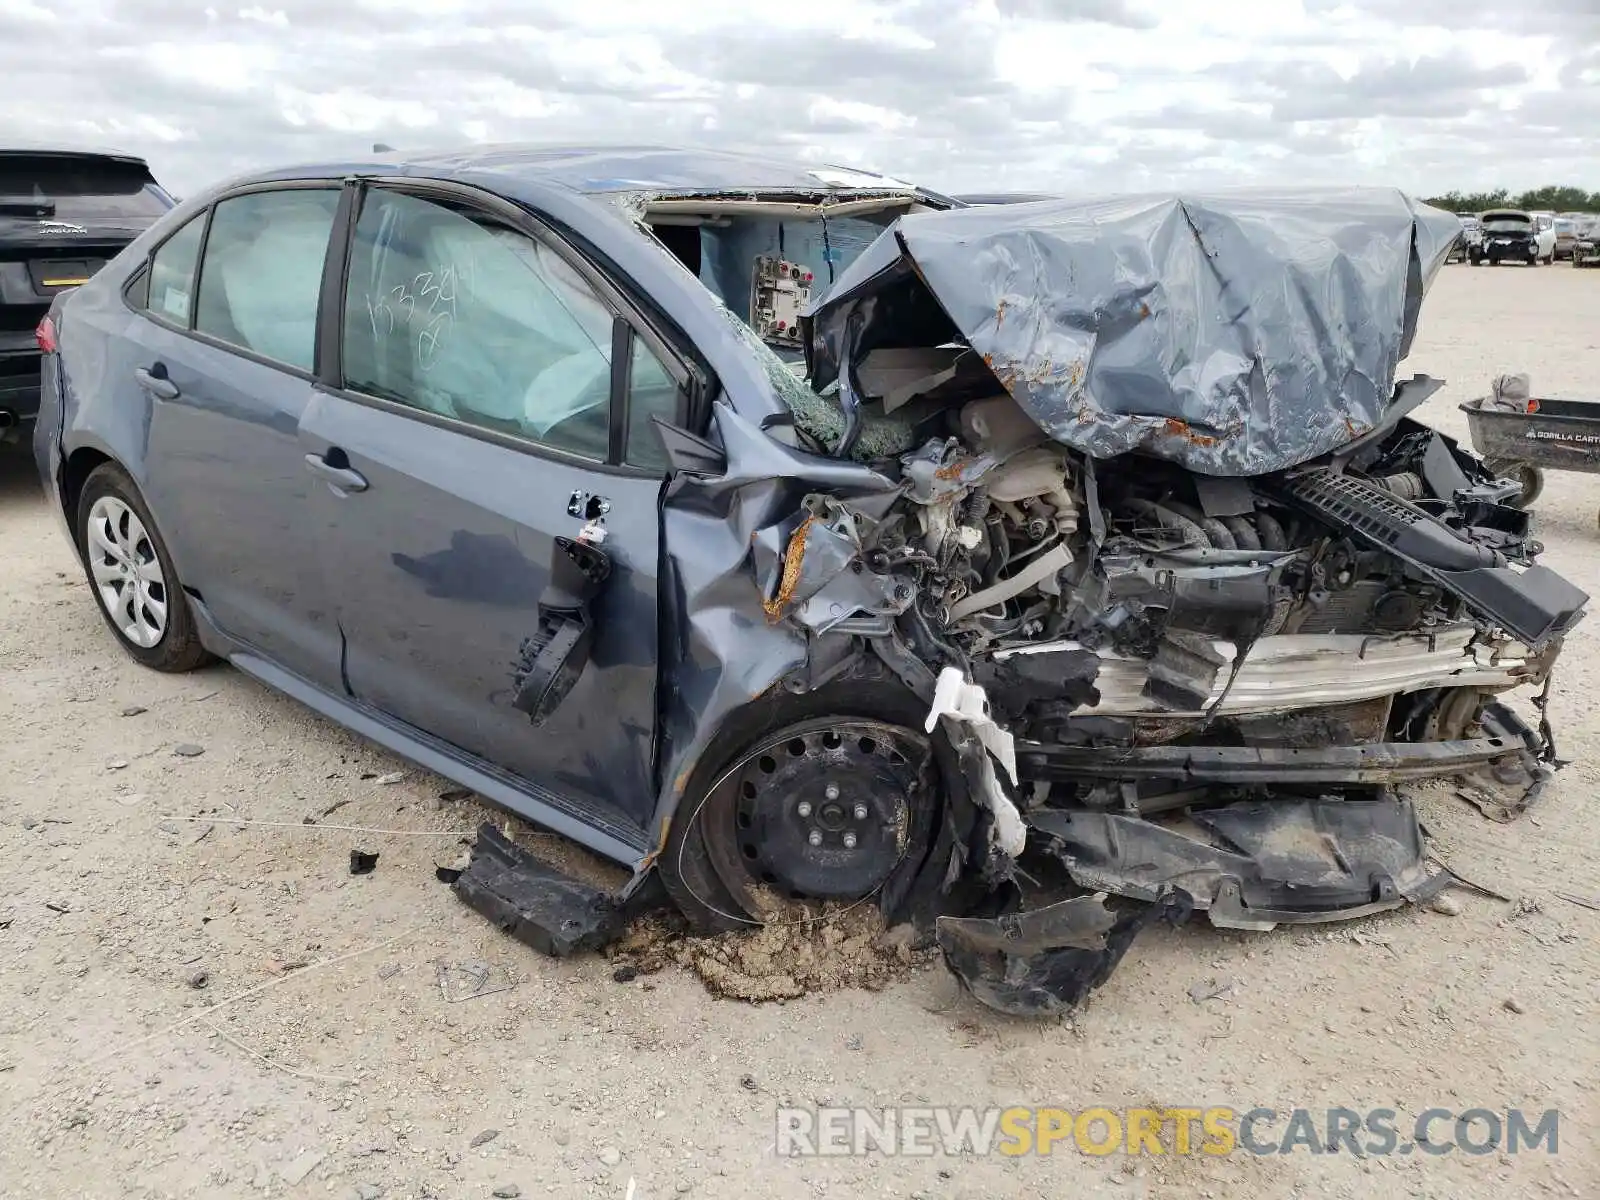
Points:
(533, 901)
(363, 862)
(549, 663)
(1045, 961)
(1253, 864)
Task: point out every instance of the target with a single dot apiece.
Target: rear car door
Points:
(227, 354)
(496, 396)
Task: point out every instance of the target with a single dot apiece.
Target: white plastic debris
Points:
(965, 703)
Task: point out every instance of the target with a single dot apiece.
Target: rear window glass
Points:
(78, 189)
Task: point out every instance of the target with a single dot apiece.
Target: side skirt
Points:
(524, 799)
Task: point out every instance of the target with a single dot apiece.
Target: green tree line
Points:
(1552, 197)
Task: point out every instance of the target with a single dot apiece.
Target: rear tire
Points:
(130, 572)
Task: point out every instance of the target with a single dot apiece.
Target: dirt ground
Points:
(194, 1010)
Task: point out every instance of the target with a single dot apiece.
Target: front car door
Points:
(226, 350)
(496, 395)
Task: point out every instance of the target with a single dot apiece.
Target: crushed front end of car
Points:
(1189, 595)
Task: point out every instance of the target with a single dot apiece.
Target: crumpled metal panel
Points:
(1234, 333)
(1253, 864)
(720, 645)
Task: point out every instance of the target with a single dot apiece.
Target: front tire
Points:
(131, 574)
(757, 828)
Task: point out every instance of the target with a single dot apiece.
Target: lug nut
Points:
(831, 791)
(849, 840)
(803, 808)
(815, 837)
(860, 812)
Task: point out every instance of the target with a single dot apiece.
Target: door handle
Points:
(154, 380)
(338, 472)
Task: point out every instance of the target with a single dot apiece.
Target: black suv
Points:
(63, 213)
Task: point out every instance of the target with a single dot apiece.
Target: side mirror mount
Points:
(689, 453)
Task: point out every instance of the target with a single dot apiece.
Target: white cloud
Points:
(960, 94)
(274, 16)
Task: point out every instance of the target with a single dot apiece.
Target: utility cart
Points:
(1548, 435)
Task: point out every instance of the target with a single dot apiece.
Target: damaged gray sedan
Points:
(1033, 571)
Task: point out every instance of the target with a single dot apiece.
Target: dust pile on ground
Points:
(801, 950)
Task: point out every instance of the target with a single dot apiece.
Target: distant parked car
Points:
(1544, 227)
(1586, 246)
(1566, 231)
(63, 214)
(1471, 235)
(1510, 235)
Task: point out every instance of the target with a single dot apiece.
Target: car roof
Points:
(605, 170)
(72, 151)
(987, 198)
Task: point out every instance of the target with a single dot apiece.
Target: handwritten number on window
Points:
(425, 308)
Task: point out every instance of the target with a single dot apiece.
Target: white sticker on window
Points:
(175, 303)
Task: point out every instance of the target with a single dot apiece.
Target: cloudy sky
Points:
(957, 94)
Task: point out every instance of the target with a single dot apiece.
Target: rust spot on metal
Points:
(951, 470)
(793, 558)
(1000, 315)
(1144, 311)
(1040, 374)
(1181, 429)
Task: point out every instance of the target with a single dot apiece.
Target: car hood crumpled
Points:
(1236, 334)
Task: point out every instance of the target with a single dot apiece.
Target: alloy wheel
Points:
(127, 572)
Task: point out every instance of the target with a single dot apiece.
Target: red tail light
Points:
(45, 335)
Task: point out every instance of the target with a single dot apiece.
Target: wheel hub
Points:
(126, 571)
(825, 813)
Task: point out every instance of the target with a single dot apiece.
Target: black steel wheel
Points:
(830, 808)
